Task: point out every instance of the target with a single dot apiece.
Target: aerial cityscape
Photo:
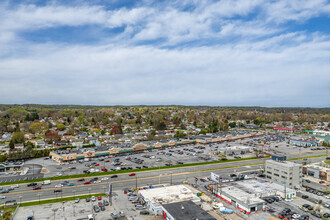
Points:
(176, 110)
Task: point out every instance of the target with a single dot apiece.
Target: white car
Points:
(59, 174)
(295, 216)
(105, 178)
(2, 197)
(97, 181)
(93, 198)
(58, 186)
(327, 196)
(14, 186)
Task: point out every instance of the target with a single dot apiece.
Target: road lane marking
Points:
(127, 180)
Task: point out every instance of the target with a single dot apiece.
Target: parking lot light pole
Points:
(136, 182)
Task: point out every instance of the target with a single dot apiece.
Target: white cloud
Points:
(242, 61)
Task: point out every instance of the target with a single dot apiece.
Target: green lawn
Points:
(7, 212)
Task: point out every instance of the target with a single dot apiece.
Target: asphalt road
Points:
(146, 178)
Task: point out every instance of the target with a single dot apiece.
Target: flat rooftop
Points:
(168, 194)
(187, 210)
(253, 189)
(283, 163)
(317, 166)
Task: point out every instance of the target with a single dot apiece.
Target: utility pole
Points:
(171, 178)
(136, 182)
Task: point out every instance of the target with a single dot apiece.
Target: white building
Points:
(156, 197)
(285, 173)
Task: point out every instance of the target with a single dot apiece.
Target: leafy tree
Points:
(61, 127)
(18, 137)
(232, 124)
(38, 127)
(116, 130)
(11, 145)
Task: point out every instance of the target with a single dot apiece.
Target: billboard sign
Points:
(215, 177)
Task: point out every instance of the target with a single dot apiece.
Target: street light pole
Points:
(20, 199)
(74, 193)
(39, 194)
(171, 178)
(136, 182)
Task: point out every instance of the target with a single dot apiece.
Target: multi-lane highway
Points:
(145, 178)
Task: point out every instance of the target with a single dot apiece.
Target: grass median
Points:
(64, 199)
(128, 171)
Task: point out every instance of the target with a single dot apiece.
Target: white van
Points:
(90, 217)
(46, 182)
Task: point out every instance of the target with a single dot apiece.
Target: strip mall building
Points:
(205, 139)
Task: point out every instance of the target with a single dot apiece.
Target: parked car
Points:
(88, 199)
(93, 198)
(96, 208)
(304, 196)
(105, 202)
(144, 212)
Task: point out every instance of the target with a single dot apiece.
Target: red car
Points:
(97, 164)
(104, 169)
(107, 161)
(132, 174)
(37, 187)
(99, 198)
(82, 179)
(100, 204)
(88, 182)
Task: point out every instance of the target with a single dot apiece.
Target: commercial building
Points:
(185, 210)
(303, 143)
(247, 195)
(10, 167)
(235, 150)
(157, 197)
(318, 170)
(283, 172)
(67, 155)
(284, 130)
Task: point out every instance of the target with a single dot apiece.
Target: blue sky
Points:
(237, 52)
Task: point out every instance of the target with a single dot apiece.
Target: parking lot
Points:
(71, 210)
(192, 153)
